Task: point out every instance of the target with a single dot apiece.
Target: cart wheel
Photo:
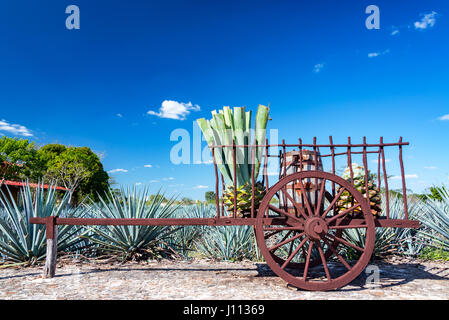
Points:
(306, 248)
(315, 258)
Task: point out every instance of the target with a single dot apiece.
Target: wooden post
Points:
(52, 247)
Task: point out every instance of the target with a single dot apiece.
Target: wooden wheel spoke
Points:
(299, 208)
(306, 200)
(309, 254)
(320, 198)
(294, 253)
(349, 244)
(282, 212)
(334, 201)
(291, 248)
(323, 259)
(285, 241)
(272, 234)
(342, 214)
(286, 235)
(339, 257)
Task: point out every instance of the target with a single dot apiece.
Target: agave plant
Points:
(231, 243)
(435, 219)
(391, 240)
(24, 243)
(183, 240)
(132, 242)
(229, 127)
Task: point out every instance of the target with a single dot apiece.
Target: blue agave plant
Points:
(24, 243)
(132, 242)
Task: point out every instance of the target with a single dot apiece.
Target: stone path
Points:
(204, 279)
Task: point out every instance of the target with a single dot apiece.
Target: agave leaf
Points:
(260, 134)
(212, 138)
(21, 241)
(225, 136)
(241, 152)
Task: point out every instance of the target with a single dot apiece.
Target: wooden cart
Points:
(300, 228)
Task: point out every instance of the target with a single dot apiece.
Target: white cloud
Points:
(395, 32)
(117, 170)
(138, 183)
(148, 166)
(430, 168)
(427, 21)
(154, 181)
(444, 118)
(318, 67)
(15, 129)
(377, 54)
(174, 110)
(119, 115)
(201, 187)
(176, 185)
(168, 179)
(407, 176)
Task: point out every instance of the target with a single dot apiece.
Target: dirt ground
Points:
(204, 279)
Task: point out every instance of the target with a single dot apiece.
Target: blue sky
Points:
(322, 71)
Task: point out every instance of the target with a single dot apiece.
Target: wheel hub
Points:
(315, 228)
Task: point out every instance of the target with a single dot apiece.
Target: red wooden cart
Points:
(299, 229)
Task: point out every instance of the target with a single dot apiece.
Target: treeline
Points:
(75, 168)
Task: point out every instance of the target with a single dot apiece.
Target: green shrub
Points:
(430, 253)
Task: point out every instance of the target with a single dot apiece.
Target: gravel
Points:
(399, 278)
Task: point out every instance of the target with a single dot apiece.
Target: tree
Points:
(152, 198)
(209, 196)
(49, 152)
(436, 193)
(19, 160)
(77, 168)
(186, 201)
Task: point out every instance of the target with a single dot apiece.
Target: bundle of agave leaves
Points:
(23, 243)
(229, 127)
(132, 242)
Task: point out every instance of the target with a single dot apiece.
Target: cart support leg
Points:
(52, 247)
